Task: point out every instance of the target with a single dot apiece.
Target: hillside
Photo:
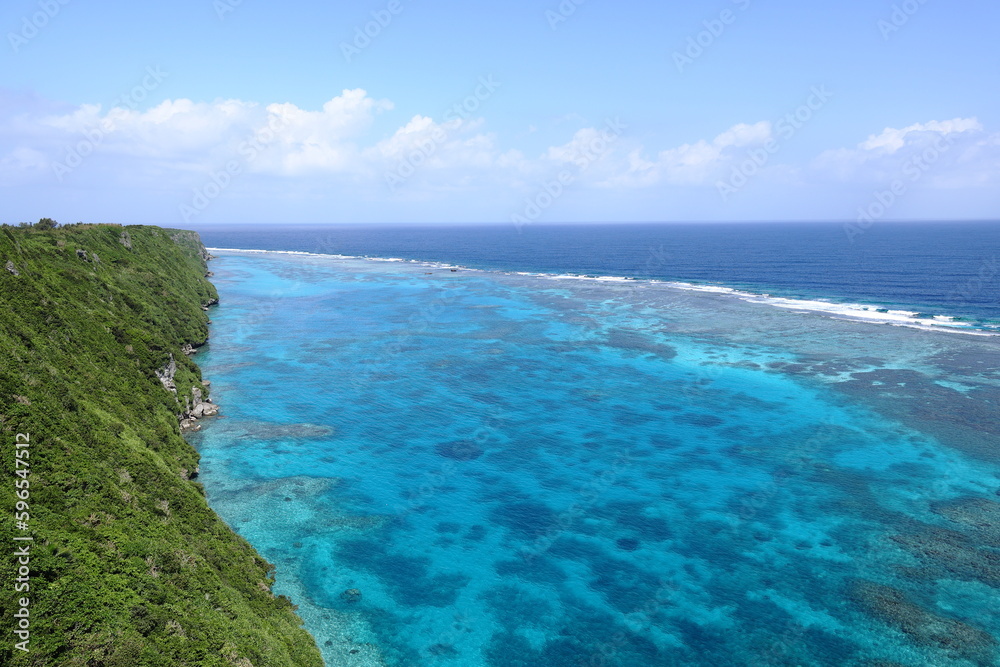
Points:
(128, 564)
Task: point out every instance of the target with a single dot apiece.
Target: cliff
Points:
(127, 564)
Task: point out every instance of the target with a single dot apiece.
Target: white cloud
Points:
(698, 163)
(891, 139)
(175, 145)
(24, 160)
(185, 135)
(950, 153)
(744, 135)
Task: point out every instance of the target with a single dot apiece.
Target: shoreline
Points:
(847, 311)
(97, 337)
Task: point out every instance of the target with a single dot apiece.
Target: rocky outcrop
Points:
(193, 241)
(11, 268)
(166, 375)
(125, 240)
(197, 407)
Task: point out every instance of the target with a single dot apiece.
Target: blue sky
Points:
(217, 111)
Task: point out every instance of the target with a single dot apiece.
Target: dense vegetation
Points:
(129, 565)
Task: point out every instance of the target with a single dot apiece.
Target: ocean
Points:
(615, 445)
(947, 268)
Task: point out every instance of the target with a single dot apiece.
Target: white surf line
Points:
(841, 311)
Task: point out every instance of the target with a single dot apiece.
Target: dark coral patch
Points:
(628, 544)
(924, 627)
(979, 515)
(459, 450)
(635, 341)
(952, 554)
(695, 419)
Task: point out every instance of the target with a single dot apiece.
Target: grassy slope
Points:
(129, 565)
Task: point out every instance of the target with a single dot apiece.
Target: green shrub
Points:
(125, 548)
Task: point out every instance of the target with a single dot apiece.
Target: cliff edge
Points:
(126, 563)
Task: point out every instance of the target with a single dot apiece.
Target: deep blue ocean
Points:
(483, 457)
(949, 268)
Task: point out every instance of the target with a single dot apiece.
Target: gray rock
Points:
(190, 425)
(13, 269)
(166, 375)
(82, 254)
(125, 240)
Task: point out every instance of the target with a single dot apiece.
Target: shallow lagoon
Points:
(521, 470)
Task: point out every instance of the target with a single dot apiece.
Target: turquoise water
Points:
(518, 470)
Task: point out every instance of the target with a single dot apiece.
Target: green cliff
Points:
(128, 565)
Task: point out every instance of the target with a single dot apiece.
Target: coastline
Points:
(128, 563)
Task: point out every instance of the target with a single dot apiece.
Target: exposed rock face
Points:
(125, 240)
(204, 410)
(192, 240)
(196, 408)
(166, 375)
(197, 405)
(190, 425)
(13, 269)
(82, 254)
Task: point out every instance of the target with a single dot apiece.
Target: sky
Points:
(199, 112)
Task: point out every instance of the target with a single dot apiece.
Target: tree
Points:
(46, 223)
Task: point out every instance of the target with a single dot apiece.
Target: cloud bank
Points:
(194, 152)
